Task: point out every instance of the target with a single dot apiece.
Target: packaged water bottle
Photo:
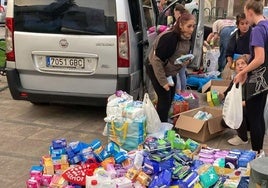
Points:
(170, 81)
(138, 160)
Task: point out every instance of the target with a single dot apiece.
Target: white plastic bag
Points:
(211, 60)
(232, 108)
(153, 122)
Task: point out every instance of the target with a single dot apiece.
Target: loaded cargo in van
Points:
(78, 51)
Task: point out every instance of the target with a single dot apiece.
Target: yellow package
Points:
(209, 99)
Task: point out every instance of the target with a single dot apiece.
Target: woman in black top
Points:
(239, 40)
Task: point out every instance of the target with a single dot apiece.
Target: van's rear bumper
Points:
(36, 96)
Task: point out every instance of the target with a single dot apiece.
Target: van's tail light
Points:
(122, 44)
(10, 54)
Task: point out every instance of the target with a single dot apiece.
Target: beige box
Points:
(218, 85)
(200, 130)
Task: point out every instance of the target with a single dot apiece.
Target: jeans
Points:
(224, 40)
(181, 79)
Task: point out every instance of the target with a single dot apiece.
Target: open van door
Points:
(149, 14)
(198, 38)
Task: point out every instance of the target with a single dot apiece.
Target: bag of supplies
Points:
(128, 134)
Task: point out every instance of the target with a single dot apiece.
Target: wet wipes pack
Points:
(184, 58)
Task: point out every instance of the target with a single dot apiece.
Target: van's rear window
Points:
(96, 17)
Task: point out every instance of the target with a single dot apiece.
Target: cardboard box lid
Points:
(188, 123)
(218, 85)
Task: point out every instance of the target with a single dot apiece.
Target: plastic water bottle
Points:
(90, 178)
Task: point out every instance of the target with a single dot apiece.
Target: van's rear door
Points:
(66, 46)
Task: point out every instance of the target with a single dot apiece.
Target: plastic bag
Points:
(232, 107)
(126, 133)
(211, 60)
(153, 122)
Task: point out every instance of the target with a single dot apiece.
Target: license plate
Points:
(65, 62)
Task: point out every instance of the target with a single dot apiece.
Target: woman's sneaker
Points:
(235, 141)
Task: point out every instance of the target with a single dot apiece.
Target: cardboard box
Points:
(200, 130)
(218, 85)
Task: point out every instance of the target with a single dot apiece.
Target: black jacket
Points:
(238, 44)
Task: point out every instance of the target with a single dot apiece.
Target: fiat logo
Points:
(63, 43)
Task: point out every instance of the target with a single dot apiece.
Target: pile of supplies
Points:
(167, 162)
(141, 152)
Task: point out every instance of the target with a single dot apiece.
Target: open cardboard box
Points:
(218, 85)
(200, 130)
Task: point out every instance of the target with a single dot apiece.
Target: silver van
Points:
(77, 51)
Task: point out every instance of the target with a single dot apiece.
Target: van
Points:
(77, 51)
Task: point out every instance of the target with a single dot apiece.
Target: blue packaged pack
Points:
(150, 167)
(59, 143)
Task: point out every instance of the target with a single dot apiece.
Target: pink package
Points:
(32, 183)
(207, 160)
(46, 179)
(206, 155)
(161, 28)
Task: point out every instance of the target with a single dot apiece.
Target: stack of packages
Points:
(213, 98)
(138, 156)
(159, 162)
(125, 121)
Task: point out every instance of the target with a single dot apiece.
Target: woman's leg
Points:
(242, 130)
(164, 97)
(255, 119)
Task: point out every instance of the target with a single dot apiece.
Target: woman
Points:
(237, 45)
(241, 137)
(181, 76)
(256, 74)
(168, 46)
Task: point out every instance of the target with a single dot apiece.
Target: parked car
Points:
(3, 4)
(192, 7)
(265, 12)
(2, 14)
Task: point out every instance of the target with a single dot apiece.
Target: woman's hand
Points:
(166, 87)
(186, 62)
(240, 78)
